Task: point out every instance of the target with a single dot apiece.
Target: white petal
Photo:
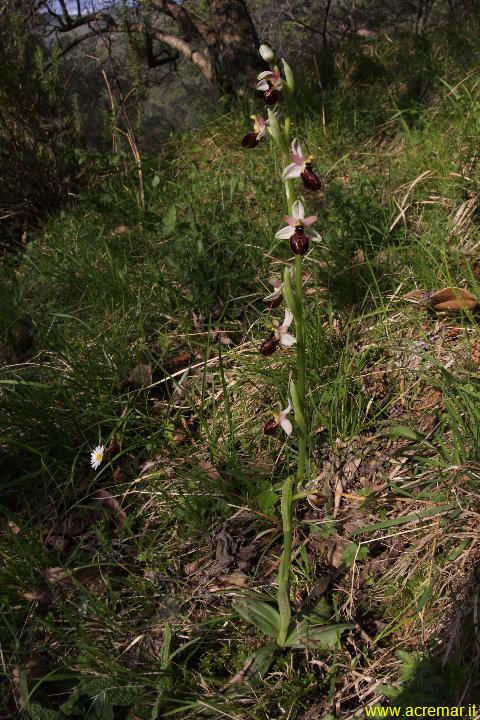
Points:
(288, 409)
(298, 211)
(285, 233)
(287, 340)
(287, 321)
(264, 74)
(292, 171)
(263, 86)
(286, 425)
(296, 148)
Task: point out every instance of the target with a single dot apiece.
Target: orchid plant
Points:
(279, 89)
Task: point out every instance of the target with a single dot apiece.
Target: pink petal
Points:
(285, 233)
(298, 160)
(263, 86)
(287, 340)
(286, 425)
(291, 171)
(290, 220)
(264, 74)
(310, 219)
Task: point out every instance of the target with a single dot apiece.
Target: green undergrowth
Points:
(113, 602)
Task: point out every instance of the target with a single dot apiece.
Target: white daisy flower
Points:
(96, 456)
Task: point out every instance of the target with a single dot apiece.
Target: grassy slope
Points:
(105, 288)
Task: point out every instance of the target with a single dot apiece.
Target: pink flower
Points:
(274, 299)
(252, 139)
(279, 420)
(280, 331)
(279, 335)
(270, 83)
(295, 230)
(302, 167)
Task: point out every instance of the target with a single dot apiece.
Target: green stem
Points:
(283, 594)
(299, 327)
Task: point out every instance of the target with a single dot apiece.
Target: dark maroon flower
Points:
(271, 96)
(270, 84)
(302, 167)
(250, 140)
(269, 345)
(310, 177)
(271, 427)
(299, 241)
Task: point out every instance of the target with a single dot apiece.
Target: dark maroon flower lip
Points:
(299, 241)
(271, 96)
(310, 178)
(250, 140)
(269, 345)
(271, 427)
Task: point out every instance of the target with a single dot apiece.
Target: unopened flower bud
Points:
(299, 241)
(250, 140)
(269, 345)
(266, 52)
(310, 178)
(271, 427)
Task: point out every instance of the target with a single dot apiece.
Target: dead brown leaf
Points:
(208, 468)
(432, 399)
(140, 377)
(230, 581)
(452, 299)
(112, 504)
(180, 360)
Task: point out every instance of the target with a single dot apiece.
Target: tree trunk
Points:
(235, 56)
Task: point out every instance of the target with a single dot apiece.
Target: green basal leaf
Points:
(259, 613)
(257, 665)
(289, 80)
(310, 634)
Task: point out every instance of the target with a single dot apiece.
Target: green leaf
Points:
(274, 129)
(289, 79)
(354, 552)
(406, 432)
(259, 613)
(308, 634)
(37, 712)
(257, 665)
(169, 221)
